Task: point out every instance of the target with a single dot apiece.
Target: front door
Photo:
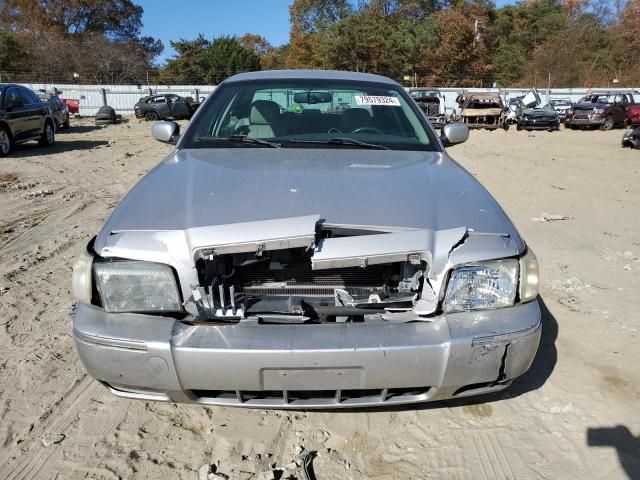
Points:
(17, 113)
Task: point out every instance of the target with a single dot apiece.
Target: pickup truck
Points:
(605, 110)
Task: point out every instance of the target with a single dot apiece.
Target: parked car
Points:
(562, 106)
(542, 117)
(157, 107)
(431, 102)
(59, 111)
(318, 259)
(605, 110)
(72, 104)
(631, 137)
(633, 115)
(482, 110)
(23, 117)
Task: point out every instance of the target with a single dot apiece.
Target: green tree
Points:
(11, 53)
(201, 61)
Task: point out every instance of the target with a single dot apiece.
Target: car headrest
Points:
(264, 112)
(355, 118)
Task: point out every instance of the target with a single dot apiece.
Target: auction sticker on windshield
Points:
(377, 100)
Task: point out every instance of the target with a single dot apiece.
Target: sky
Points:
(168, 20)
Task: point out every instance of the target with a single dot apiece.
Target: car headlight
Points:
(136, 286)
(598, 111)
(482, 285)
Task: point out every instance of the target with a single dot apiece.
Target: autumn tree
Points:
(310, 19)
(271, 58)
(100, 39)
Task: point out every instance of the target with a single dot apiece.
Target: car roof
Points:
(309, 74)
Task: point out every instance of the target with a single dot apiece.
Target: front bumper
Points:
(539, 124)
(590, 121)
(307, 366)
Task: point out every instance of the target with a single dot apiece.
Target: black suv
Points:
(23, 117)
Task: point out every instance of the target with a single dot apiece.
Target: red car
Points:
(633, 115)
(74, 105)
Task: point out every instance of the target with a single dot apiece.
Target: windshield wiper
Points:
(256, 141)
(342, 141)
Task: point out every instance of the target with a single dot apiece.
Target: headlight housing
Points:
(136, 286)
(81, 282)
(529, 276)
(598, 111)
(483, 285)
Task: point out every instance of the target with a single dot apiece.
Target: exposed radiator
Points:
(297, 278)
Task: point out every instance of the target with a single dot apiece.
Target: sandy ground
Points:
(576, 414)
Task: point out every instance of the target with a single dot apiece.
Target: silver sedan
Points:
(309, 243)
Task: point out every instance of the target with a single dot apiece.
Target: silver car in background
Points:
(291, 254)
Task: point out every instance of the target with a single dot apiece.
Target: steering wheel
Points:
(368, 129)
(334, 130)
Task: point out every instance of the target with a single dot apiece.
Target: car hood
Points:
(539, 112)
(213, 187)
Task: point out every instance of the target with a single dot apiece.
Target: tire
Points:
(6, 142)
(151, 116)
(518, 127)
(48, 137)
(609, 124)
(66, 123)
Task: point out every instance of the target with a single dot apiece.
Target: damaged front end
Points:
(411, 320)
(305, 270)
(341, 274)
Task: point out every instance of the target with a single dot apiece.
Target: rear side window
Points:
(28, 97)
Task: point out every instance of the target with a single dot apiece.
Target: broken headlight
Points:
(135, 286)
(482, 285)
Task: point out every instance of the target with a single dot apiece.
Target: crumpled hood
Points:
(207, 187)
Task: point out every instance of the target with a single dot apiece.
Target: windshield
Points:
(310, 113)
(597, 99)
(561, 103)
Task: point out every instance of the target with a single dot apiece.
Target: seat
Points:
(264, 119)
(355, 118)
(311, 121)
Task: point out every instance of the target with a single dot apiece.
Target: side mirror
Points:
(454, 133)
(166, 132)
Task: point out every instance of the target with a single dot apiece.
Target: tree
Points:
(11, 53)
(115, 19)
(459, 56)
(201, 61)
(100, 39)
(309, 20)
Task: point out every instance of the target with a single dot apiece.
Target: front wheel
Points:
(6, 142)
(608, 123)
(151, 116)
(48, 136)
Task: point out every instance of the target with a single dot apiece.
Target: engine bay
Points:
(284, 286)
